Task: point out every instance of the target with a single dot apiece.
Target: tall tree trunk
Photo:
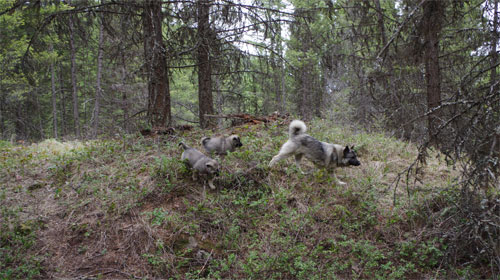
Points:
(277, 86)
(205, 99)
(76, 114)
(38, 109)
(319, 96)
(493, 51)
(276, 45)
(20, 126)
(219, 101)
(63, 101)
(304, 108)
(433, 12)
(380, 22)
(2, 118)
(124, 96)
(159, 112)
(283, 91)
(495, 151)
(255, 102)
(54, 95)
(265, 89)
(308, 98)
(98, 93)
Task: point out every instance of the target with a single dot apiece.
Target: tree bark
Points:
(76, 113)
(493, 51)
(125, 104)
(63, 101)
(54, 95)
(433, 12)
(38, 109)
(380, 22)
(2, 118)
(283, 91)
(276, 65)
(20, 126)
(220, 101)
(205, 99)
(159, 112)
(98, 93)
(495, 151)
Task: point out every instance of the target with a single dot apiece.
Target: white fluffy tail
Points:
(297, 127)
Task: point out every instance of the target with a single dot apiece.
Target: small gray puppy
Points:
(221, 145)
(200, 163)
(322, 154)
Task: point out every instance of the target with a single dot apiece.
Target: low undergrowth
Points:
(128, 208)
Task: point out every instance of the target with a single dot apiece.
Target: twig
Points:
(205, 264)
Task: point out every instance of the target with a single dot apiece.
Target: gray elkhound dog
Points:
(200, 163)
(320, 153)
(221, 145)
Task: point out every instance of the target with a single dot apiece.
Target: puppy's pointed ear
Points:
(352, 147)
(346, 150)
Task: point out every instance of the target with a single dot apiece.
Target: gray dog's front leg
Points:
(298, 158)
(338, 181)
(277, 158)
(211, 183)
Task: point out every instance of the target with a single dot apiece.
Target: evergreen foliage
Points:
(422, 71)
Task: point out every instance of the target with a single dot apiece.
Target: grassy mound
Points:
(129, 208)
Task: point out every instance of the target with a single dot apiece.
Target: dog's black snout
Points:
(354, 162)
(239, 144)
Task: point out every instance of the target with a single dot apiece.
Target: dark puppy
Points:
(200, 163)
(221, 145)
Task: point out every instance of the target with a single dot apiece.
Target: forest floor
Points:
(128, 208)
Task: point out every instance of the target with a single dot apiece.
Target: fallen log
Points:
(165, 130)
(247, 118)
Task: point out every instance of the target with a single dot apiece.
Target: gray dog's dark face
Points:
(237, 142)
(350, 156)
(213, 168)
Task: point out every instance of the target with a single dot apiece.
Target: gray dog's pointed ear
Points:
(346, 150)
(352, 147)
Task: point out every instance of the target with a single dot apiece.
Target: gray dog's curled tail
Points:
(184, 146)
(204, 140)
(297, 127)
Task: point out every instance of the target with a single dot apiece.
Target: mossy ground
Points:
(128, 208)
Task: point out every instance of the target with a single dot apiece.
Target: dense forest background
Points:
(417, 69)
(423, 71)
